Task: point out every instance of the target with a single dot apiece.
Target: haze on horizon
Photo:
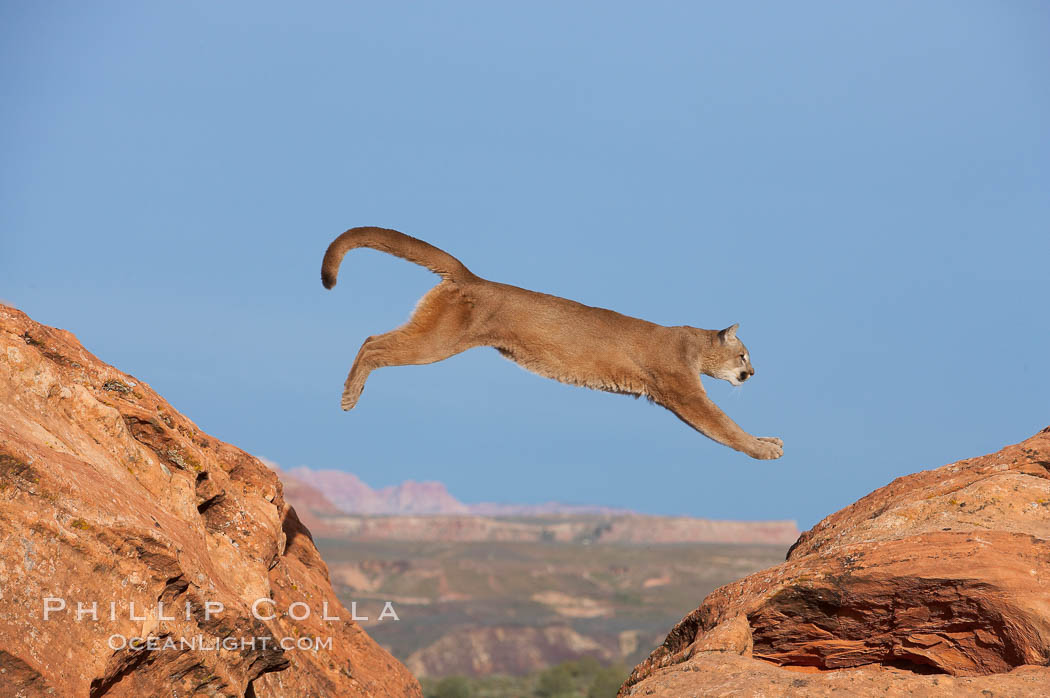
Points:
(862, 188)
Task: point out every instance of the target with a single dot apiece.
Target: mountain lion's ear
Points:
(728, 333)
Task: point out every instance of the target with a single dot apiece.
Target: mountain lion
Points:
(554, 337)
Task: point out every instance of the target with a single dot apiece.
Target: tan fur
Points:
(554, 337)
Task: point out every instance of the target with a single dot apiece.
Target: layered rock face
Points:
(937, 584)
(120, 519)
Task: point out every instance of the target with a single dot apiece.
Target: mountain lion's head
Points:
(730, 359)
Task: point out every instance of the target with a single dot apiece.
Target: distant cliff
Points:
(936, 584)
(350, 494)
(122, 521)
(561, 528)
(337, 503)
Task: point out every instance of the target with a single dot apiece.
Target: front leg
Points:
(698, 411)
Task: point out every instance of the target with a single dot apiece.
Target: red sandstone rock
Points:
(936, 584)
(107, 494)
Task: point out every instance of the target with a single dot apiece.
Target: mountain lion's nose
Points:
(751, 370)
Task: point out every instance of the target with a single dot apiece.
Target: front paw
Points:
(767, 448)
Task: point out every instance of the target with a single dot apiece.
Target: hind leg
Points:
(436, 331)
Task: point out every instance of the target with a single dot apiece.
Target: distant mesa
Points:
(346, 493)
(340, 504)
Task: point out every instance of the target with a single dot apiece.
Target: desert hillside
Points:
(482, 608)
(112, 500)
(933, 585)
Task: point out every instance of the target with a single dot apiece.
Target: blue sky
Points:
(863, 187)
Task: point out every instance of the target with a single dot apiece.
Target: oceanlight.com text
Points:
(212, 644)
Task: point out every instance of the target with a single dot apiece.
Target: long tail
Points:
(395, 243)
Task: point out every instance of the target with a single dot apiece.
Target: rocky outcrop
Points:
(933, 585)
(121, 519)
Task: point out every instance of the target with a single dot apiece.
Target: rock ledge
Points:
(936, 584)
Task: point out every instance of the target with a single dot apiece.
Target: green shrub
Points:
(607, 681)
(584, 667)
(556, 682)
(451, 687)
